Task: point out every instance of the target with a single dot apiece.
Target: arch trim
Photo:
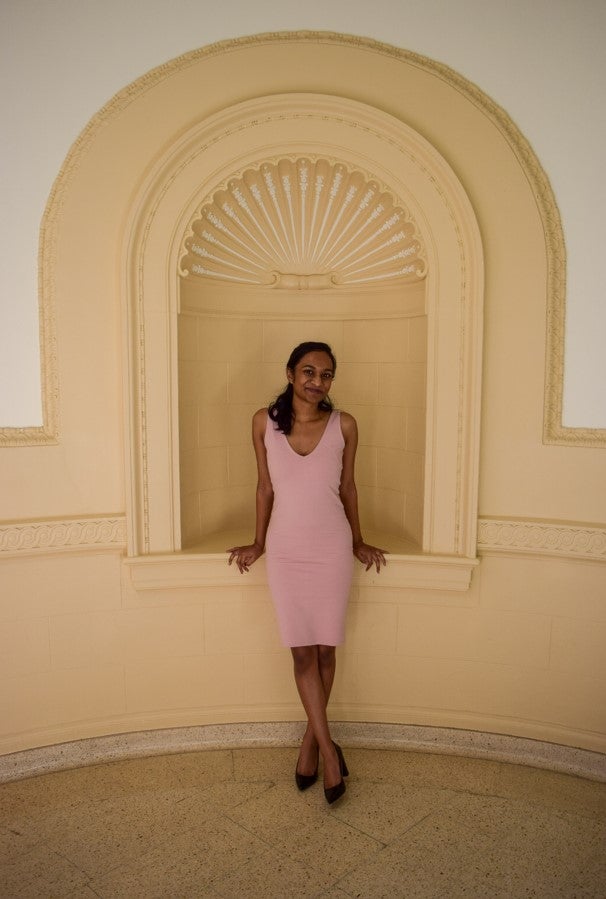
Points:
(553, 429)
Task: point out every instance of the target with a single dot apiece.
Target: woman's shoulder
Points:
(347, 419)
(259, 421)
(348, 423)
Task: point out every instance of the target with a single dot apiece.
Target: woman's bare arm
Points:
(367, 554)
(244, 556)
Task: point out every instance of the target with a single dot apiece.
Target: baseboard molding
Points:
(441, 740)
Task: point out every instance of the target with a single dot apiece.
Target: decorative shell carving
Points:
(303, 224)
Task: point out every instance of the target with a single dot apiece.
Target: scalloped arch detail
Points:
(303, 223)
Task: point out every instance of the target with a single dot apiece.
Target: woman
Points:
(307, 508)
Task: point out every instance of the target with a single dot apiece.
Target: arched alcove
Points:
(444, 292)
(314, 232)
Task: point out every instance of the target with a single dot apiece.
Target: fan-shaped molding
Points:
(303, 223)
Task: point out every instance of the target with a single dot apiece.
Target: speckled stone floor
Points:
(231, 823)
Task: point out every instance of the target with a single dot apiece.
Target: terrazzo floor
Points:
(231, 823)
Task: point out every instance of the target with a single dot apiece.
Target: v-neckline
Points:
(307, 455)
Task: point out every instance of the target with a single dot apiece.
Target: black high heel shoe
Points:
(342, 763)
(303, 781)
(331, 794)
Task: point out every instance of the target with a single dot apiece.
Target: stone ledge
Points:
(175, 570)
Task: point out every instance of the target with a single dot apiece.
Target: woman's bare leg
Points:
(327, 663)
(313, 696)
(308, 755)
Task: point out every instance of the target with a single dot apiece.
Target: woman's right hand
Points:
(244, 556)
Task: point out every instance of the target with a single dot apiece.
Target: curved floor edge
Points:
(415, 738)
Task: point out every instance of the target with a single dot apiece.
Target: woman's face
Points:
(312, 376)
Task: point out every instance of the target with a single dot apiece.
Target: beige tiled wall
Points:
(82, 653)
(228, 368)
(509, 647)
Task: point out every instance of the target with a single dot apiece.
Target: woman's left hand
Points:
(370, 555)
(245, 556)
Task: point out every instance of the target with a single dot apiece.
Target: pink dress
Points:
(309, 544)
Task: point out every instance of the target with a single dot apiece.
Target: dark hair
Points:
(281, 410)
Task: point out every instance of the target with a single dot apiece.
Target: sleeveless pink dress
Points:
(309, 544)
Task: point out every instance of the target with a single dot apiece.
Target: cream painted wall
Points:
(542, 61)
(85, 651)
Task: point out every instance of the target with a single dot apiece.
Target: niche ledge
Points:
(164, 571)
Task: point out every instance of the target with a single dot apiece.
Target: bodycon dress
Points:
(309, 554)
